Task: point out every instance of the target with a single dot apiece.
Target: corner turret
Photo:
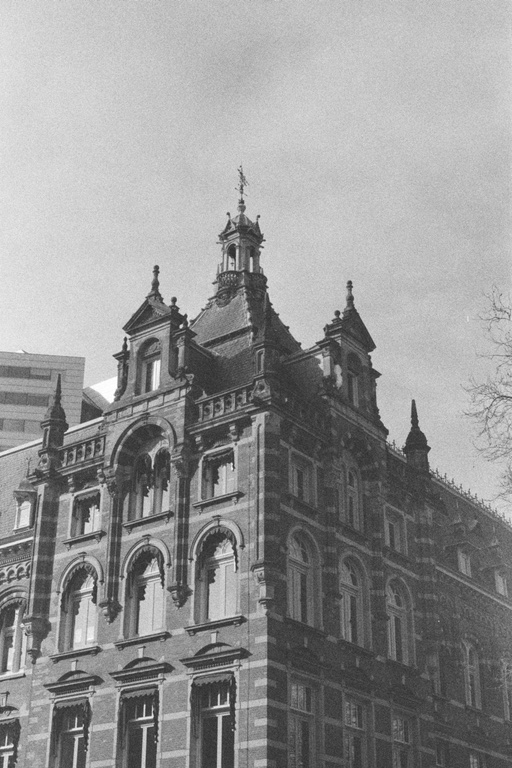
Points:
(416, 447)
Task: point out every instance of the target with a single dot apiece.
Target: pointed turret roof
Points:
(55, 410)
(416, 440)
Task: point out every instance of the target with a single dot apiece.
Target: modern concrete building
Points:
(232, 568)
(27, 382)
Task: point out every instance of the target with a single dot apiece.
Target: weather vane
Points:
(242, 181)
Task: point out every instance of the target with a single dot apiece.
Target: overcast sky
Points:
(376, 140)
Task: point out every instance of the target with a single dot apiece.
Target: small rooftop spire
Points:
(416, 447)
(414, 415)
(155, 285)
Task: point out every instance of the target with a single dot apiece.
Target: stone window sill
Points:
(88, 650)
(216, 624)
(12, 675)
(233, 496)
(142, 639)
(98, 535)
(147, 520)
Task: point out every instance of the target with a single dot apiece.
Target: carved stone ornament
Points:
(179, 593)
(36, 628)
(110, 609)
(265, 578)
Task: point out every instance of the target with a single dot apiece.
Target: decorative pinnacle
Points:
(58, 392)
(414, 415)
(155, 285)
(350, 296)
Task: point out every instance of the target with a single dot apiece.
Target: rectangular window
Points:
(354, 737)
(9, 736)
(464, 562)
(219, 475)
(70, 734)
(442, 754)
(395, 532)
(216, 748)
(13, 425)
(86, 515)
(501, 584)
(300, 727)
(402, 738)
(302, 480)
(141, 733)
(353, 390)
(476, 760)
(19, 372)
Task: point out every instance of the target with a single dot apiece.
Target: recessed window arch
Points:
(354, 379)
(150, 362)
(12, 637)
(399, 612)
(145, 593)
(231, 257)
(303, 579)
(353, 515)
(78, 608)
(472, 685)
(150, 485)
(217, 576)
(352, 589)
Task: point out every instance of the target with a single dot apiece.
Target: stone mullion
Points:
(110, 604)
(179, 586)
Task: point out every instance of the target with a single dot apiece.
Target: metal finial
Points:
(242, 182)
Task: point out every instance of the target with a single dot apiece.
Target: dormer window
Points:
(150, 367)
(501, 583)
(464, 561)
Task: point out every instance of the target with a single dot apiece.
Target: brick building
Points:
(232, 568)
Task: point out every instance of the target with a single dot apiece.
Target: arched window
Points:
(351, 588)
(300, 580)
(353, 503)
(78, 617)
(218, 578)
(472, 676)
(231, 258)
(145, 594)
(150, 367)
(12, 637)
(161, 482)
(150, 487)
(399, 621)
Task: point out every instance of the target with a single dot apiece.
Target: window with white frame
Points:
(219, 474)
(218, 578)
(402, 742)
(145, 595)
(215, 729)
(476, 760)
(86, 514)
(23, 514)
(464, 561)
(354, 734)
(351, 588)
(140, 715)
(506, 676)
(302, 479)
(70, 730)
(500, 582)
(9, 738)
(150, 367)
(399, 633)
(12, 638)
(395, 531)
(78, 612)
(300, 580)
(471, 676)
(353, 516)
(301, 726)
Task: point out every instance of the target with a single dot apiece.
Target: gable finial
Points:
(155, 285)
(350, 295)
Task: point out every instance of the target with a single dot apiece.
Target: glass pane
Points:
(135, 745)
(209, 743)
(228, 743)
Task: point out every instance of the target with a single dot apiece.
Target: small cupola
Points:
(241, 241)
(416, 447)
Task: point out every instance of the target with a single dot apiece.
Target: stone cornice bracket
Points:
(179, 593)
(110, 478)
(110, 609)
(266, 577)
(235, 429)
(36, 629)
(180, 460)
